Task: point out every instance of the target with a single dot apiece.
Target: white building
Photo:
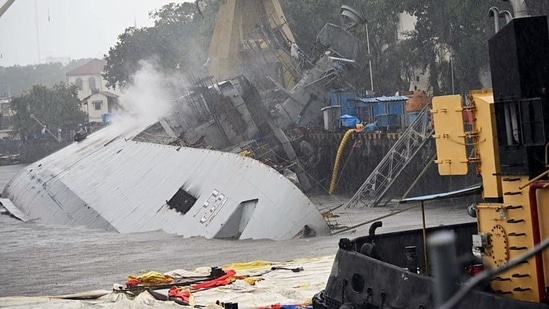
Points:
(97, 100)
(5, 114)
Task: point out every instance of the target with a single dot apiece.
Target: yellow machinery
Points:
(504, 131)
(510, 220)
(509, 136)
(251, 34)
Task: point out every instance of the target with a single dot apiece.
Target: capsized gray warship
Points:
(219, 166)
(113, 181)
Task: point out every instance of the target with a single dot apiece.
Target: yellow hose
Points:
(338, 158)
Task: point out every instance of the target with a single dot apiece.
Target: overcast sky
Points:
(68, 28)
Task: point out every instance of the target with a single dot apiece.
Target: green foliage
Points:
(538, 7)
(178, 42)
(385, 52)
(55, 107)
(307, 17)
(445, 30)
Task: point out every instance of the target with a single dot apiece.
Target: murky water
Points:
(38, 259)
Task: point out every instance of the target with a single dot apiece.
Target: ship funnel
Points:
(519, 8)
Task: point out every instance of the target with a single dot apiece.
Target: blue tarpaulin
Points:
(106, 117)
(348, 121)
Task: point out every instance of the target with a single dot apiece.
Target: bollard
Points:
(411, 259)
(444, 264)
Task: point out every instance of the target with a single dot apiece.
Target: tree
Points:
(385, 53)
(57, 107)
(450, 30)
(178, 42)
(449, 39)
(538, 8)
(307, 17)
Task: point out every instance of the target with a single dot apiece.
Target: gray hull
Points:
(109, 181)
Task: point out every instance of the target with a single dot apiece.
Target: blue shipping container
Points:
(412, 116)
(379, 109)
(347, 101)
(397, 107)
(387, 120)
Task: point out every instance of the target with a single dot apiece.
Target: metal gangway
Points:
(395, 161)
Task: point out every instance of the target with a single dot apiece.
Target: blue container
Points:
(106, 117)
(346, 99)
(348, 121)
(387, 120)
(412, 116)
(379, 109)
(396, 107)
(334, 98)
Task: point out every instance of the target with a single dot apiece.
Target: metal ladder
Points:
(397, 158)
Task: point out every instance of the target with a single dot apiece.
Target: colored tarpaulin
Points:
(283, 285)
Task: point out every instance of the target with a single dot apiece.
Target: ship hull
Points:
(109, 181)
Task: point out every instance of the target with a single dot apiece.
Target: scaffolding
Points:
(378, 183)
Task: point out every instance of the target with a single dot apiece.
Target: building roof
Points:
(383, 99)
(107, 94)
(93, 67)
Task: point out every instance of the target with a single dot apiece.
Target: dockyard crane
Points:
(250, 31)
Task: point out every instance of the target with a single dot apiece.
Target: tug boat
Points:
(498, 262)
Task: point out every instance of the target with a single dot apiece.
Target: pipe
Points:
(538, 177)
(506, 15)
(338, 159)
(373, 228)
(494, 12)
(5, 7)
(546, 162)
(444, 264)
(536, 233)
(424, 231)
(519, 8)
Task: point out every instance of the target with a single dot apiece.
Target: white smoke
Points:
(148, 98)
